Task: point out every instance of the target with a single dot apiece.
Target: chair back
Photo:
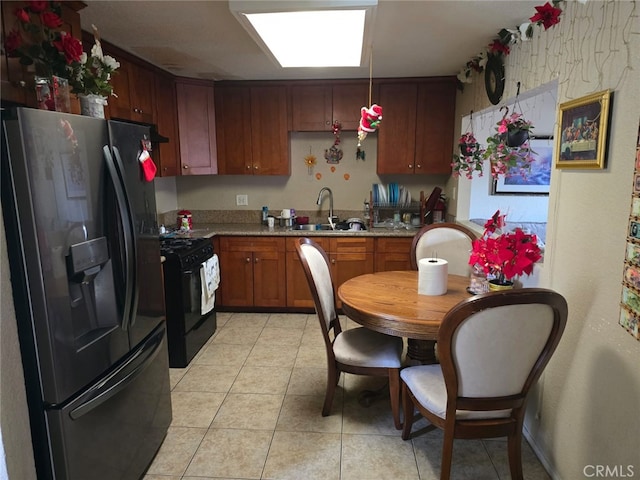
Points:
(493, 347)
(315, 264)
(449, 241)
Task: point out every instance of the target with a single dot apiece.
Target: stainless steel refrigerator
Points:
(84, 255)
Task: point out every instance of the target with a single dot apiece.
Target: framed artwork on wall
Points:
(581, 137)
(537, 180)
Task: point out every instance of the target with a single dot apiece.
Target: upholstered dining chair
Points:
(493, 348)
(358, 350)
(450, 241)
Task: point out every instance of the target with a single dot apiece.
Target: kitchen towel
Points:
(210, 279)
(432, 276)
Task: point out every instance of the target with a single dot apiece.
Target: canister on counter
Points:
(181, 224)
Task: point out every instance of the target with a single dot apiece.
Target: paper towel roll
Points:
(432, 276)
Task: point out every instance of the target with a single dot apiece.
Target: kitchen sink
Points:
(313, 226)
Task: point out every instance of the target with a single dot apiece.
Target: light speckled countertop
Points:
(242, 229)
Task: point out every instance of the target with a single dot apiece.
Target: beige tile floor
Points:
(248, 407)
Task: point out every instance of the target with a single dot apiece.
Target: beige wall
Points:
(299, 190)
(15, 435)
(587, 401)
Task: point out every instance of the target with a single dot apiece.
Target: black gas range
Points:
(187, 328)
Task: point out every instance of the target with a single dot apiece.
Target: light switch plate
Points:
(242, 200)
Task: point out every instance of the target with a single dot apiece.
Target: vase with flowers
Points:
(508, 149)
(91, 78)
(40, 45)
(470, 158)
(504, 256)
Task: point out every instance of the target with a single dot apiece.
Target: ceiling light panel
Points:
(319, 33)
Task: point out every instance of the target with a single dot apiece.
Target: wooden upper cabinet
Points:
(233, 130)
(134, 86)
(251, 130)
(315, 107)
(16, 81)
(167, 155)
(435, 125)
(197, 127)
(269, 133)
(417, 131)
(397, 135)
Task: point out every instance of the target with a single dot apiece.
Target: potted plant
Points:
(470, 158)
(509, 150)
(504, 256)
(52, 53)
(91, 78)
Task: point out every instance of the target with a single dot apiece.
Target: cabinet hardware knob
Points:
(255, 167)
(327, 122)
(410, 166)
(248, 260)
(185, 166)
(333, 260)
(248, 167)
(255, 260)
(418, 166)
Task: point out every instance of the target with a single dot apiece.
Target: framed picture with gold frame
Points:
(581, 135)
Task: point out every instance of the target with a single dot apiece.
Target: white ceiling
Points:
(202, 39)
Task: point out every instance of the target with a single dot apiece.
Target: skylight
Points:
(318, 33)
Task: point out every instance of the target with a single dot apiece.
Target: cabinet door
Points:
(142, 85)
(298, 292)
(434, 127)
(233, 130)
(311, 108)
(397, 137)
(167, 155)
(269, 279)
(119, 105)
(347, 102)
(269, 134)
(393, 254)
(350, 257)
(236, 274)
(197, 129)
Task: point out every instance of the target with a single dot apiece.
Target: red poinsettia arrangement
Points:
(547, 15)
(37, 40)
(504, 256)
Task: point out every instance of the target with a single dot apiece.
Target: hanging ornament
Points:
(370, 119)
(310, 162)
(334, 154)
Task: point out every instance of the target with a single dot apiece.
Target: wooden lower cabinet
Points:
(393, 254)
(252, 271)
(348, 257)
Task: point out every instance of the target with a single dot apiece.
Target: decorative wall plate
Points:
(494, 78)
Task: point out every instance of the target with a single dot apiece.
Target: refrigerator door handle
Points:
(121, 377)
(133, 285)
(127, 230)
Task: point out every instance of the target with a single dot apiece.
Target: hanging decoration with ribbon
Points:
(370, 117)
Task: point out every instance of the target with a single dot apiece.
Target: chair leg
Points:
(394, 395)
(447, 454)
(407, 409)
(514, 445)
(333, 375)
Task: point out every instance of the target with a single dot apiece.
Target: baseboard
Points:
(553, 473)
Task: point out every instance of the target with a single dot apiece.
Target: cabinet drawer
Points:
(252, 244)
(394, 245)
(351, 245)
(322, 241)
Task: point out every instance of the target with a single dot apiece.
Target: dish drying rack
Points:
(388, 208)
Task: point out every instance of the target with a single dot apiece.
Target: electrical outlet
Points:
(242, 200)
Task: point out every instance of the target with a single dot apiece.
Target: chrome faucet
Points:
(332, 219)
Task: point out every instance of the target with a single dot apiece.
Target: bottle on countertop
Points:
(265, 214)
(365, 213)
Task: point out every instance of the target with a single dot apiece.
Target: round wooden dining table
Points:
(389, 302)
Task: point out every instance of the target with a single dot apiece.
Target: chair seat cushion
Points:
(426, 382)
(365, 348)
